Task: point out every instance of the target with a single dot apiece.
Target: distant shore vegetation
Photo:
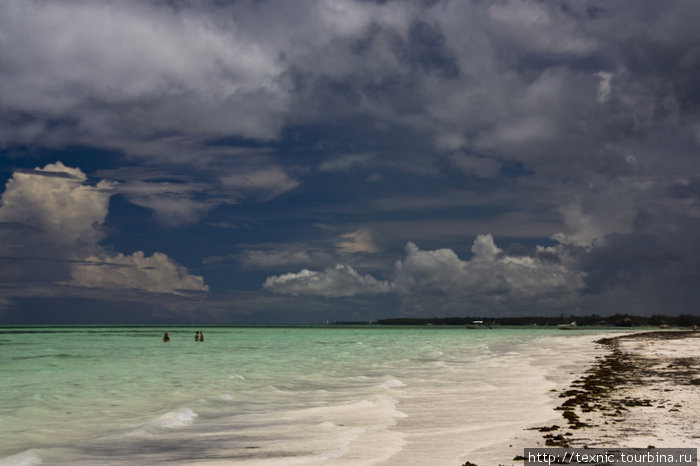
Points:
(592, 320)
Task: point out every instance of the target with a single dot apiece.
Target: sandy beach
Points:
(643, 391)
(338, 396)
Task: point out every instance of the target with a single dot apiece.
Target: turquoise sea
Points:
(274, 395)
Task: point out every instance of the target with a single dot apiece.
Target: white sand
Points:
(672, 420)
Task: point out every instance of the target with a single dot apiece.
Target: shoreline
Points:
(644, 391)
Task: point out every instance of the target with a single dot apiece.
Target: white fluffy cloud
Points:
(439, 277)
(489, 272)
(157, 273)
(51, 214)
(338, 281)
(605, 208)
(55, 201)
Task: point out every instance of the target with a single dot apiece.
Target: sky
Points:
(257, 161)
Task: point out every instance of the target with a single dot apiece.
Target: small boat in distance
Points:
(571, 326)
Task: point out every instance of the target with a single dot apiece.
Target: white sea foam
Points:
(364, 433)
(340, 447)
(236, 376)
(347, 432)
(178, 418)
(25, 458)
(393, 383)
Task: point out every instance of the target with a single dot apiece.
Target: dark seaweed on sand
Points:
(596, 391)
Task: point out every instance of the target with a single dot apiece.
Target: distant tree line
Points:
(617, 320)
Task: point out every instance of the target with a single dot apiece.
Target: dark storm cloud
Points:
(685, 190)
(217, 61)
(427, 50)
(621, 260)
(406, 122)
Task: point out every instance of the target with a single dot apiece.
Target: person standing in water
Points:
(166, 338)
(201, 336)
(196, 336)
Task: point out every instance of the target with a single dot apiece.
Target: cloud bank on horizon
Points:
(326, 159)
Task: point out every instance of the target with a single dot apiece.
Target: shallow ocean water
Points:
(274, 395)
